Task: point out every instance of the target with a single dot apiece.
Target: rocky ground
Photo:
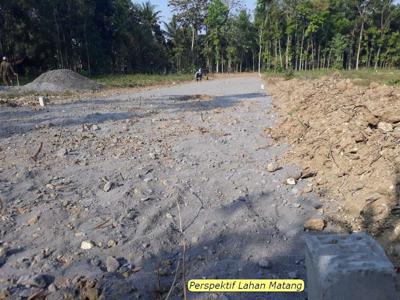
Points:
(349, 136)
(128, 196)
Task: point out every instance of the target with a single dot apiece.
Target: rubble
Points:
(348, 136)
(315, 224)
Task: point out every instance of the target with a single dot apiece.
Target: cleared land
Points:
(109, 196)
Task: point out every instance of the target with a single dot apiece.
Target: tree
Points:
(216, 20)
(190, 13)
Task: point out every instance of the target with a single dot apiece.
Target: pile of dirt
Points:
(348, 136)
(61, 81)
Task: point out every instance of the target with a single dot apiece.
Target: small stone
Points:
(112, 264)
(32, 221)
(52, 288)
(394, 236)
(307, 189)
(272, 167)
(264, 263)
(315, 224)
(385, 127)
(111, 243)
(87, 245)
(108, 186)
(291, 181)
(95, 127)
(297, 205)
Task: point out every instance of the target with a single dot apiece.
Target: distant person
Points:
(6, 71)
(199, 75)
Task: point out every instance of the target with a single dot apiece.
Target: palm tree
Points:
(151, 16)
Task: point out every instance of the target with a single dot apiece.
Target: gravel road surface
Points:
(99, 196)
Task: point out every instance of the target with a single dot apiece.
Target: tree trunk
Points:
(260, 52)
(377, 58)
(280, 53)
(287, 52)
(87, 47)
(359, 43)
(193, 37)
(59, 50)
(301, 49)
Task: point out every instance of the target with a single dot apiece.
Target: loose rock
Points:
(87, 245)
(291, 181)
(385, 127)
(112, 264)
(108, 186)
(315, 224)
(308, 189)
(33, 220)
(272, 167)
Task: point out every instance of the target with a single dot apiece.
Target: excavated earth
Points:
(128, 196)
(349, 137)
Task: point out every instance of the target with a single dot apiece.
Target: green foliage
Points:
(338, 45)
(140, 80)
(118, 36)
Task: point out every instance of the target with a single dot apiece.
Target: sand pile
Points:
(61, 81)
(350, 137)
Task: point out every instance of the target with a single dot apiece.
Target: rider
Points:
(199, 75)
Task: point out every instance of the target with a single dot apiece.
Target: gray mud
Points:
(128, 174)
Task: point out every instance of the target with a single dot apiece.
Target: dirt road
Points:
(131, 178)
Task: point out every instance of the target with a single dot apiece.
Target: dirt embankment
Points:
(349, 136)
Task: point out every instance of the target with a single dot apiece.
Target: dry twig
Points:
(35, 157)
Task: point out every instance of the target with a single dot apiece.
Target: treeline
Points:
(94, 36)
(119, 36)
(342, 34)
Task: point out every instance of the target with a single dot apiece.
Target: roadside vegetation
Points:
(140, 80)
(359, 77)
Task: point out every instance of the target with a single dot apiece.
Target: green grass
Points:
(361, 77)
(140, 80)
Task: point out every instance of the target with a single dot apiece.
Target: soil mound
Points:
(60, 81)
(349, 136)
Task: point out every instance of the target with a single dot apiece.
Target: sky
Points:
(162, 5)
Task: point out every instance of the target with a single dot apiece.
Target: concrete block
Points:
(348, 267)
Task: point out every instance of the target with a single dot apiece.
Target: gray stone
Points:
(108, 186)
(52, 288)
(291, 181)
(348, 267)
(112, 264)
(272, 167)
(385, 127)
